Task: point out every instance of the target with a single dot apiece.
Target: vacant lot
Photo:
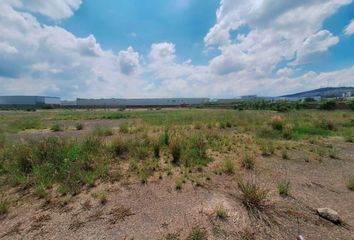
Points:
(176, 174)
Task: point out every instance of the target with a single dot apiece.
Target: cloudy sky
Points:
(174, 48)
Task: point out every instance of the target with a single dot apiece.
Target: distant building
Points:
(140, 102)
(29, 101)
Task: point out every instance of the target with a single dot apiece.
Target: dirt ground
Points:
(157, 210)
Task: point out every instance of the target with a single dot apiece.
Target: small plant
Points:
(229, 166)
(165, 138)
(248, 162)
(102, 131)
(333, 153)
(198, 125)
(4, 206)
(179, 183)
(156, 147)
(267, 148)
(350, 183)
(284, 154)
(56, 128)
(101, 197)
(277, 123)
(253, 194)
(176, 150)
(120, 146)
(221, 212)
(79, 126)
(124, 128)
(283, 187)
(198, 233)
(349, 137)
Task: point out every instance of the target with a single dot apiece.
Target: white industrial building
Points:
(29, 101)
(140, 102)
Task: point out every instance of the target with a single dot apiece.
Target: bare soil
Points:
(157, 210)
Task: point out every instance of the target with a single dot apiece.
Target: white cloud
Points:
(163, 52)
(55, 9)
(6, 48)
(349, 30)
(317, 43)
(129, 61)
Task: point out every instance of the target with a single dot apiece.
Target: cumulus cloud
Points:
(349, 30)
(48, 59)
(129, 61)
(55, 9)
(316, 43)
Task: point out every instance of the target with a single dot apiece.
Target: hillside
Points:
(323, 92)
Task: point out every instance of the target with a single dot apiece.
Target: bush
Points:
(267, 148)
(328, 105)
(283, 187)
(253, 195)
(194, 152)
(351, 105)
(156, 147)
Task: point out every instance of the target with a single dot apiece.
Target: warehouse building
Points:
(148, 102)
(29, 101)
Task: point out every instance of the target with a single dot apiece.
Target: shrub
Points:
(267, 148)
(328, 105)
(79, 126)
(198, 233)
(350, 183)
(277, 123)
(351, 105)
(333, 153)
(253, 194)
(327, 125)
(229, 166)
(283, 187)
(179, 184)
(288, 132)
(194, 152)
(349, 136)
(56, 128)
(248, 162)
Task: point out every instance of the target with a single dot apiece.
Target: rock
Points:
(300, 238)
(329, 214)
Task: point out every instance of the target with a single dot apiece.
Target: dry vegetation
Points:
(175, 174)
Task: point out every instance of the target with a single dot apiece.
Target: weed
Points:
(165, 138)
(277, 123)
(179, 183)
(350, 183)
(120, 146)
(56, 128)
(102, 131)
(4, 205)
(176, 150)
(221, 213)
(333, 153)
(198, 233)
(79, 126)
(253, 194)
(156, 147)
(124, 128)
(248, 162)
(120, 213)
(284, 154)
(101, 197)
(283, 187)
(267, 148)
(172, 236)
(229, 166)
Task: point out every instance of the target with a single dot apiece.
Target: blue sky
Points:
(174, 48)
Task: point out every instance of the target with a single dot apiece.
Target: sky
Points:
(174, 48)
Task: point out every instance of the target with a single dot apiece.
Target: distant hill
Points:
(323, 92)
